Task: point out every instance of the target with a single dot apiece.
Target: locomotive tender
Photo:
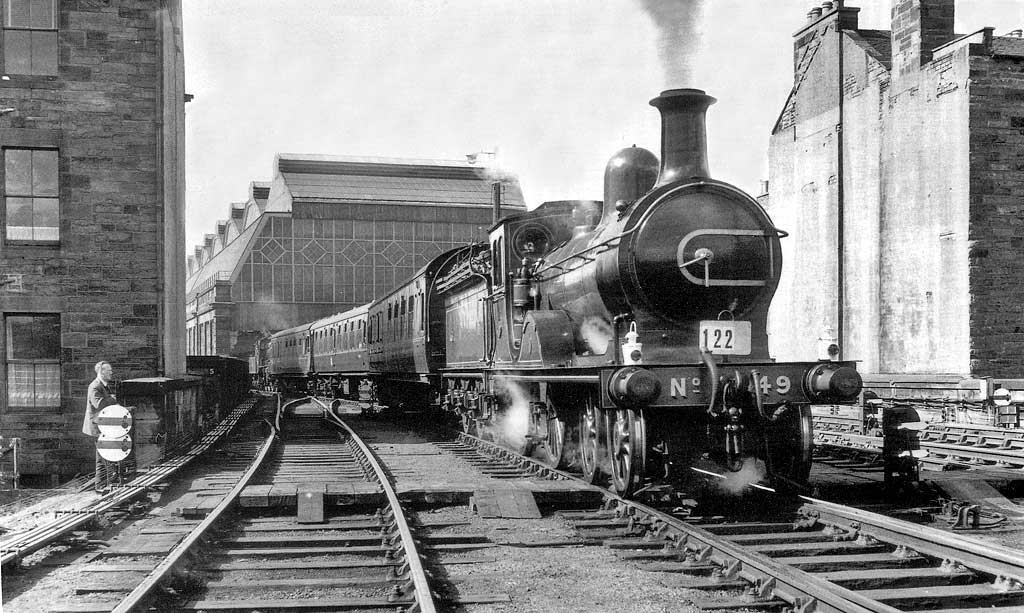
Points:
(632, 331)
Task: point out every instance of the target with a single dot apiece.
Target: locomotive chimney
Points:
(684, 151)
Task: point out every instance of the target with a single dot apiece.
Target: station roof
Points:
(347, 180)
(222, 263)
(394, 181)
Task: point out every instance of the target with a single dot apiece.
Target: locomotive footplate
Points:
(690, 385)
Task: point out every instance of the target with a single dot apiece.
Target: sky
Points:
(553, 87)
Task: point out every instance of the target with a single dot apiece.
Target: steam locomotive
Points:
(630, 332)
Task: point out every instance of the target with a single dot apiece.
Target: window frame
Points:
(21, 242)
(10, 69)
(8, 361)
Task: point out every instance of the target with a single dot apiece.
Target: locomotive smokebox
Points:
(684, 149)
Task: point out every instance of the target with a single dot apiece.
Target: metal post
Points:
(17, 475)
(496, 201)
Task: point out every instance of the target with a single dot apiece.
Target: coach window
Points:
(31, 194)
(401, 329)
(33, 361)
(30, 37)
(407, 320)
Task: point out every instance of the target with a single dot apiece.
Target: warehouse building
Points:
(330, 233)
(897, 167)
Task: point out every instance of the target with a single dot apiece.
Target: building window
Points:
(33, 361)
(31, 192)
(30, 37)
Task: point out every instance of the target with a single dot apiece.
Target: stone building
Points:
(327, 234)
(92, 256)
(897, 167)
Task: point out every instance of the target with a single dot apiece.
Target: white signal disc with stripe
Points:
(114, 420)
(114, 448)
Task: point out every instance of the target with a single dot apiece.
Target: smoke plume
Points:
(680, 37)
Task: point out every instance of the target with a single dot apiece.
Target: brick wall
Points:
(997, 215)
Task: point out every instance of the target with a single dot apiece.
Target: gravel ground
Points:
(573, 578)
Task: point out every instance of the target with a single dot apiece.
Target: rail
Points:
(995, 560)
(17, 548)
(421, 586)
(137, 597)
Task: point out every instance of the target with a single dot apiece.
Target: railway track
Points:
(416, 522)
(938, 446)
(822, 557)
(15, 549)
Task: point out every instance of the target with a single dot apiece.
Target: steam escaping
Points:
(275, 315)
(736, 482)
(597, 333)
(680, 37)
(511, 427)
(750, 473)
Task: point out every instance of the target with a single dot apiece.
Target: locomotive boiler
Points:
(628, 334)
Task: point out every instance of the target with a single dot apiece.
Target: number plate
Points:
(725, 337)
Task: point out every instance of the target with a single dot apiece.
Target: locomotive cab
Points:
(519, 246)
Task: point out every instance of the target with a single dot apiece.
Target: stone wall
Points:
(923, 273)
(802, 160)
(105, 111)
(997, 215)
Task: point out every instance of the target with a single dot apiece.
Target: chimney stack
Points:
(918, 26)
(684, 148)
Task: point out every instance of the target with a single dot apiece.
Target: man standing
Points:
(98, 397)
